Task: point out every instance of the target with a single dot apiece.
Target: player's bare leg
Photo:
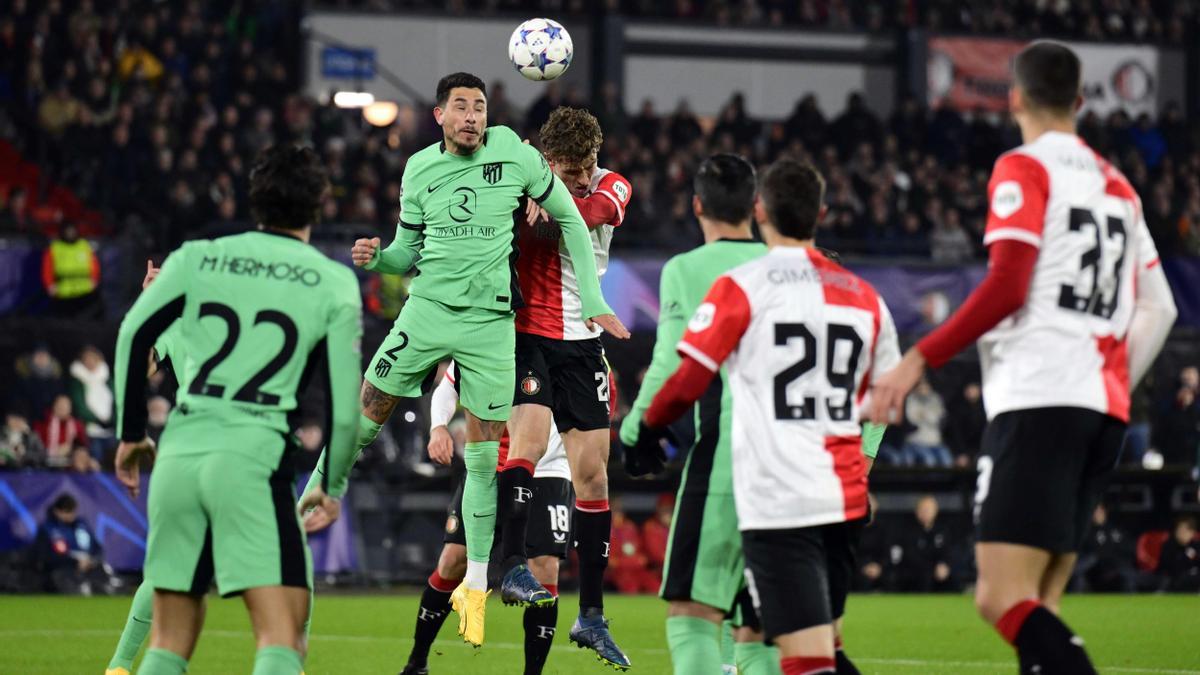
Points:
(435, 606)
(1008, 596)
(808, 650)
(1055, 580)
(178, 618)
(277, 614)
(587, 453)
(753, 657)
(694, 637)
(529, 429)
(540, 621)
(479, 520)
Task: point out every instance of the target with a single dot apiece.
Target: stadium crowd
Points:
(154, 121)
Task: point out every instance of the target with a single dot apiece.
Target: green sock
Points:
(479, 502)
(756, 658)
(136, 627)
(695, 645)
(162, 662)
(727, 658)
(277, 660)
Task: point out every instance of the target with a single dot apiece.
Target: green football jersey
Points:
(249, 316)
(457, 224)
(685, 281)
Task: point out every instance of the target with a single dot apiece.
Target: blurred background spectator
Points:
(92, 399)
(61, 432)
(628, 562)
(1106, 558)
(70, 273)
(929, 551)
(656, 532)
(38, 381)
(19, 445)
(67, 553)
(1179, 561)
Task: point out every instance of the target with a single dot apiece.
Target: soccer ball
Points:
(540, 49)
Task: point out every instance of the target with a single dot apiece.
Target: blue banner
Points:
(120, 522)
(348, 63)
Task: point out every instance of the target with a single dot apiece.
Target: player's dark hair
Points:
(1049, 75)
(792, 193)
(287, 186)
(571, 135)
(454, 80)
(725, 185)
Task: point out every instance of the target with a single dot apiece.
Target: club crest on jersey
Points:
(451, 524)
(703, 318)
(382, 368)
(492, 172)
(1007, 199)
(530, 386)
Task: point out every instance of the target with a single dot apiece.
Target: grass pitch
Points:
(372, 634)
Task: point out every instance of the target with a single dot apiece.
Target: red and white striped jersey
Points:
(1067, 345)
(801, 338)
(549, 288)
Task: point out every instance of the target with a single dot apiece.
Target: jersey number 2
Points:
(250, 392)
(807, 410)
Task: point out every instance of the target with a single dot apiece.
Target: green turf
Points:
(371, 634)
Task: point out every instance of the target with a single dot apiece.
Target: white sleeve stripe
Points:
(694, 352)
(616, 202)
(1013, 233)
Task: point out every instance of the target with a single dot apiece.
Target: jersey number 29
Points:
(836, 334)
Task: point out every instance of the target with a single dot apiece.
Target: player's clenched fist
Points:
(364, 251)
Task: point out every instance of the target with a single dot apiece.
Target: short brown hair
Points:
(792, 194)
(571, 135)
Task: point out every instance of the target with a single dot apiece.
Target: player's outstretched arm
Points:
(1154, 313)
(671, 324)
(397, 258)
(345, 362)
(442, 404)
(151, 314)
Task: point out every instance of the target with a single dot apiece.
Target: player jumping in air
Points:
(254, 313)
(800, 337)
(457, 225)
(1071, 314)
(561, 374)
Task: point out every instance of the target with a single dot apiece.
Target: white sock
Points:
(476, 578)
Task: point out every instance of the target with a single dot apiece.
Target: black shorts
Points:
(567, 376)
(549, 528)
(1041, 473)
(798, 578)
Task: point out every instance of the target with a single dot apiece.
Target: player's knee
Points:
(696, 610)
(481, 460)
(592, 485)
(747, 634)
(987, 603)
(368, 429)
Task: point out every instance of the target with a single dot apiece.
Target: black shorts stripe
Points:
(202, 577)
(708, 435)
(685, 549)
(292, 568)
(131, 424)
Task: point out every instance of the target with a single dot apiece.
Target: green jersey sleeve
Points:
(342, 353)
(672, 321)
(872, 436)
(152, 313)
(402, 253)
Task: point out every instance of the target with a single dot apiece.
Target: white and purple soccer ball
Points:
(540, 49)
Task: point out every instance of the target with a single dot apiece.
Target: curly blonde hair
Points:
(571, 135)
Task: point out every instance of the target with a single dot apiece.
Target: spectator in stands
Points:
(965, 421)
(39, 381)
(949, 242)
(656, 532)
(1179, 562)
(1106, 558)
(19, 446)
(82, 461)
(926, 412)
(1178, 432)
(877, 556)
(61, 432)
(67, 553)
(70, 274)
(928, 551)
(628, 565)
(92, 398)
(311, 439)
(15, 216)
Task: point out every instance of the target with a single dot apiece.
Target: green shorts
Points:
(482, 343)
(222, 515)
